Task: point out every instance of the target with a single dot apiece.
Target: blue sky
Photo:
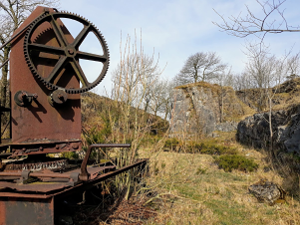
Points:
(177, 29)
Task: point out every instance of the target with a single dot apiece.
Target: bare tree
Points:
(293, 66)
(135, 75)
(161, 97)
(242, 82)
(224, 79)
(260, 24)
(133, 81)
(12, 14)
(200, 67)
(261, 67)
(268, 72)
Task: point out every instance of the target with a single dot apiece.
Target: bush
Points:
(205, 147)
(238, 162)
(210, 148)
(70, 155)
(171, 144)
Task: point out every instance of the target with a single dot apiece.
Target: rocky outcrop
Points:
(255, 130)
(204, 108)
(266, 191)
(284, 95)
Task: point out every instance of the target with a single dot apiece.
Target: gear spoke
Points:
(59, 34)
(46, 49)
(81, 36)
(79, 73)
(92, 57)
(58, 67)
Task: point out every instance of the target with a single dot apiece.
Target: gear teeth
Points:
(41, 34)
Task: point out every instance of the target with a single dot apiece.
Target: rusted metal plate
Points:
(41, 121)
(14, 211)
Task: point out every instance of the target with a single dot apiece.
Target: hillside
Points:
(98, 112)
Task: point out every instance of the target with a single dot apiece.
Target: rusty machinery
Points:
(46, 79)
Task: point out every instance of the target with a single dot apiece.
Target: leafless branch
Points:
(251, 24)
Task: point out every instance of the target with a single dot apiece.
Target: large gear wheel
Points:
(67, 54)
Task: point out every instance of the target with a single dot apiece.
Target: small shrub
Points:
(171, 143)
(200, 171)
(210, 148)
(70, 155)
(238, 162)
(204, 147)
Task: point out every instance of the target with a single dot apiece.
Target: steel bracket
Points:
(24, 176)
(74, 178)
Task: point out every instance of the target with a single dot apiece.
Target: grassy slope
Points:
(192, 190)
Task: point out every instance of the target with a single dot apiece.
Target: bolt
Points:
(35, 96)
(71, 52)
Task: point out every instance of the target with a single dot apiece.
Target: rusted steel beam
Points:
(16, 35)
(42, 147)
(84, 173)
(23, 196)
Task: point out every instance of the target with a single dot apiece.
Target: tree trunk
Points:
(4, 82)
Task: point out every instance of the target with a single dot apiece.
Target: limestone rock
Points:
(266, 191)
(255, 131)
(205, 108)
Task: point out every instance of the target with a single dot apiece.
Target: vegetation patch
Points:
(209, 147)
(238, 162)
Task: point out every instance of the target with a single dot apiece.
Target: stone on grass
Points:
(266, 191)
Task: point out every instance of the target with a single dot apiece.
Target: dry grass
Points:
(192, 190)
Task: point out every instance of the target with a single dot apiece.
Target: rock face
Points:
(255, 130)
(204, 108)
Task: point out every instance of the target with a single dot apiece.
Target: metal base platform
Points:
(34, 203)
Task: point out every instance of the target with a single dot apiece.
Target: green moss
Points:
(238, 162)
(199, 84)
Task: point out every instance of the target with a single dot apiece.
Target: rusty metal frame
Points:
(41, 206)
(84, 173)
(39, 128)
